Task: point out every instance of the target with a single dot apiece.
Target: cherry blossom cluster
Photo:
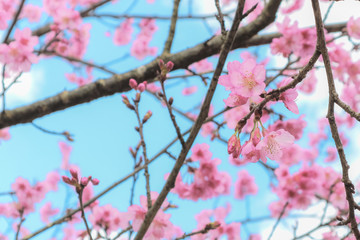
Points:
(79, 182)
(300, 189)
(294, 40)
(208, 182)
(18, 55)
(122, 34)
(217, 217)
(160, 228)
(28, 195)
(140, 48)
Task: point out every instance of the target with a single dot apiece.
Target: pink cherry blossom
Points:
(353, 27)
(245, 79)
(122, 34)
(189, 90)
(217, 217)
(202, 66)
(160, 228)
(65, 151)
(234, 146)
(294, 126)
(32, 13)
(245, 185)
(292, 6)
(47, 211)
(4, 134)
(289, 96)
(273, 143)
(108, 217)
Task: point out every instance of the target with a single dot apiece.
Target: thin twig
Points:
(18, 227)
(15, 19)
(172, 116)
(278, 220)
(174, 18)
(122, 232)
(220, 17)
(80, 194)
(143, 144)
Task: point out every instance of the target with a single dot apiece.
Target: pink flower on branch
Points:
(245, 185)
(245, 79)
(79, 182)
(273, 143)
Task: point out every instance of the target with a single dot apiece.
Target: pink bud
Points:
(66, 180)
(147, 116)
(161, 63)
(74, 173)
(133, 84)
(256, 136)
(169, 65)
(85, 180)
(95, 181)
(231, 144)
(237, 150)
(141, 87)
(234, 146)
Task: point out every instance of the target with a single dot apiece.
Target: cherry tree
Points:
(228, 119)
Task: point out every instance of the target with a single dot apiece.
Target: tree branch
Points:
(174, 19)
(119, 83)
(349, 187)
(170, 182)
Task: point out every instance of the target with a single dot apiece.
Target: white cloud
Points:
(25, 89)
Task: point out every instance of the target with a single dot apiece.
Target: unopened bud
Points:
(137, 97)
(137, 129)
(132, 152)
(161, 63)
(133, 84)
(147, 116)
(171, 100)
(234, 146)
(160, 94)
(74, 173)
(95, 181)
(84, 181)
(169, 65)
(141, 87)
(66, 180)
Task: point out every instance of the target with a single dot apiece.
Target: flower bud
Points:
(66, 180)
(237, 150)
(256, 136)
(141, 87)
(234, 146)
(95, 181)
(126, 102)
(84, 181)
(171, 100)
(147, 116)
(133, 84)
(231, 144)
(169, 65)
(137, 97)
(161, 63)
(132, 152)
(74, 173)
